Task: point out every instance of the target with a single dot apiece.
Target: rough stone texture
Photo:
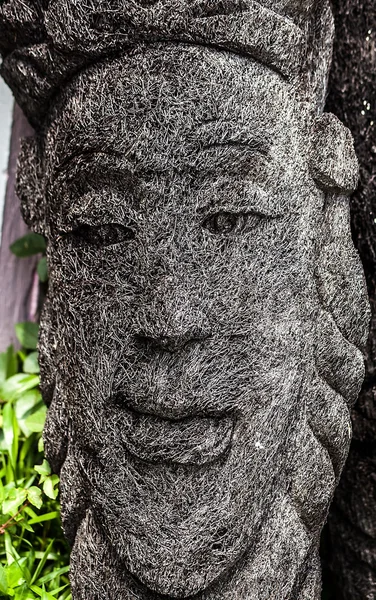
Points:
(201, 343)
(352, 96)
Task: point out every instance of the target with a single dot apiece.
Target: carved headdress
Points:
(45, 42)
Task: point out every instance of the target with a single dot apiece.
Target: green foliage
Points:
(42, 269)
(27, 335)
(28, 245)
(34, 556)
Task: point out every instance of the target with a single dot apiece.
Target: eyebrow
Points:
(252, 145)
(73, 160)
(210, 134)
(218, 133)
(80, 167)
(253, 198)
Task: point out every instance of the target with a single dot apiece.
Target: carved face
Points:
(178, 340)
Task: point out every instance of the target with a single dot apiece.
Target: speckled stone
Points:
(202, 338)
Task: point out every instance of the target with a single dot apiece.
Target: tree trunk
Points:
(17, 280)
(352, 97)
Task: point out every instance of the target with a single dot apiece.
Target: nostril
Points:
(170, 330)
(167, 343)
(158, 343)
(152, 343)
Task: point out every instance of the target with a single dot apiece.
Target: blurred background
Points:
(6, 107)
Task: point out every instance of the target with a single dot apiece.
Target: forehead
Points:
(164, 98)
(176, 127)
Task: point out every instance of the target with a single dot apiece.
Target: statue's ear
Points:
(29, 185)
(333, 162)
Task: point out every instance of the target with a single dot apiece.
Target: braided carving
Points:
(202, 337)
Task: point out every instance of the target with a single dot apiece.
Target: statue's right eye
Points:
(107, 234)
(224, 223)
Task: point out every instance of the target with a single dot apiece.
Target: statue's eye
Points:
(107, 234)
(223, 223)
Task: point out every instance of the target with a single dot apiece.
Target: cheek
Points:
(245, 279)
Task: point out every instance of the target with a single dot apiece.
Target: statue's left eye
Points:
(223, 223)
(107, 234)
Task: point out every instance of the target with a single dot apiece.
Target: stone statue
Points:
(201, 341)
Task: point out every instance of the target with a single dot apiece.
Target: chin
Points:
(178, 544)
(186, 561)
(185, 572)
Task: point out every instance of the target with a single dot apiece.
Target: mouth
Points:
(193, 440)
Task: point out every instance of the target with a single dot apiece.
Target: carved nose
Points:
(168, 320)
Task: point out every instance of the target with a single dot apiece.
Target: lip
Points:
(188, 441)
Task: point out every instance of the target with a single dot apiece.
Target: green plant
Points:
(29, 245)
(34, 556)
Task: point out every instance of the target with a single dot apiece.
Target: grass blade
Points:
(42, 562)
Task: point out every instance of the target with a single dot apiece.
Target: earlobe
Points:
(333, 163)
(29, 186)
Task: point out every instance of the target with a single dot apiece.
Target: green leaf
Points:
(34, 495)
(11, 552)
(3, 581)
(18, 573)
(57, 591)
(35, 422)
(42, 562)
(15, 386)
(42, 269)
(29, 400)
(49, 487)
(31, 364)
(20, 496)
(29, 511)
(28, 245)
(25, 406)
(43, 469)
(27, 334)
(16, 498)
(26, 525)
(53, 574)
(30, 555)
(8, 364)
(42, 593)
(23, 593)
(46, 517)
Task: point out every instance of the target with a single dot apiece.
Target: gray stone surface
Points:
(201, 342)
